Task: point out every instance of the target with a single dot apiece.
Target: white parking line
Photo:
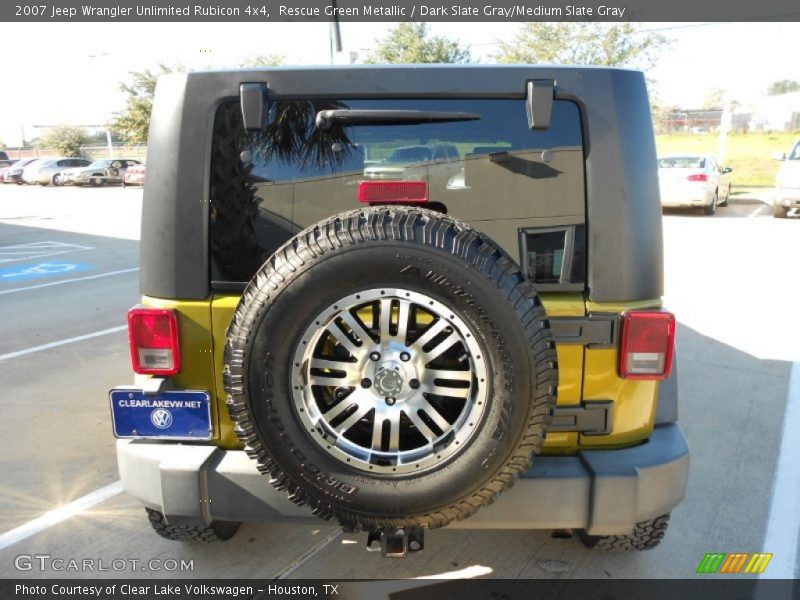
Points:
(783, 525)
(42, 285)
(79, 338)
(32, 250)
(60, 514)
(308, 555)
(756, 211)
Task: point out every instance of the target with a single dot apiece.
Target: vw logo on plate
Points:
(161, 418)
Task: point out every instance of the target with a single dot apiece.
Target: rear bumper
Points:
(686, 194)
(681, 200)
(787, 197)
(603, 491)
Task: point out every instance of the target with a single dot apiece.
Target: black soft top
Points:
(623, 211)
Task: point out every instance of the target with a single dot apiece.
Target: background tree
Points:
(134, 121)
(264, 60)
(583, 44)
(64, 138)
(413, 43)
(660, 113)
(784, 86)
(714, 98)
(98, 138)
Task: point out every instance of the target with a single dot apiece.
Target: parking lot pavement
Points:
(736, 351)
(118, 529)
(91, 276)
(63, 297)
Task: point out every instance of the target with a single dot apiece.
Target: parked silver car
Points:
(693, 180)
(100, 172)
(411, 162)
(787, 184)
(49, 170)
(13, 173)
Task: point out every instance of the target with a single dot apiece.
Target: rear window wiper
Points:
(327, 118)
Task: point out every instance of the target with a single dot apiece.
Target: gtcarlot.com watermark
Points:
(48, 562)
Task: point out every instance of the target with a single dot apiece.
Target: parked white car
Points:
(787, 184)
(693, 180)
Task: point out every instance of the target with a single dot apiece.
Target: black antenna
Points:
(337, 35)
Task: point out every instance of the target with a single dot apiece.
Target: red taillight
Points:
(153, 333)
(647, 344)
(415, 192)
(698, 177)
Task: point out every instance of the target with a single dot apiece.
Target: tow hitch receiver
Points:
(396, 543)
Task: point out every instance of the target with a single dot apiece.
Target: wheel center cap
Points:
(388, 381)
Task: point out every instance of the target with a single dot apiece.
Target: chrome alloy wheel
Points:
(389, 380)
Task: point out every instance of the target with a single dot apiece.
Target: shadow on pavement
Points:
(732, 408)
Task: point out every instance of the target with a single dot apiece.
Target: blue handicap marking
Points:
(37, 271)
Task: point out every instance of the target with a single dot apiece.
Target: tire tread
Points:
(216, 532)
(646, 535)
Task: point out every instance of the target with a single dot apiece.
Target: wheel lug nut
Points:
(414, 384)
(405, 356)
(365, 383)
(390, 401)
(374, 356)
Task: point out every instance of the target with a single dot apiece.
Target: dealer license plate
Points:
(173, 414)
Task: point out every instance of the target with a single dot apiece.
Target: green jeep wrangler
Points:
(394, 296)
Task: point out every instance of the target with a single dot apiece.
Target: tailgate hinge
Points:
(598, 330)
(539, 102)
(590, 418)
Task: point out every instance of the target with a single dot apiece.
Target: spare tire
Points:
(391, 367)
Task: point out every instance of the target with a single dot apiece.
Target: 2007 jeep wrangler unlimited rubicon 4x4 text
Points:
(394, 296)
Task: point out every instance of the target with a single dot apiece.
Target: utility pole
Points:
(724, 126)
(108, 141)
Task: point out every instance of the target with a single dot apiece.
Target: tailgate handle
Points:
(539, 102)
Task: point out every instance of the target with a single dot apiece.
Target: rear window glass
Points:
(682, 162)
(485, 166)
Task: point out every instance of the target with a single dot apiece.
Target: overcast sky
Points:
(70, 72)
